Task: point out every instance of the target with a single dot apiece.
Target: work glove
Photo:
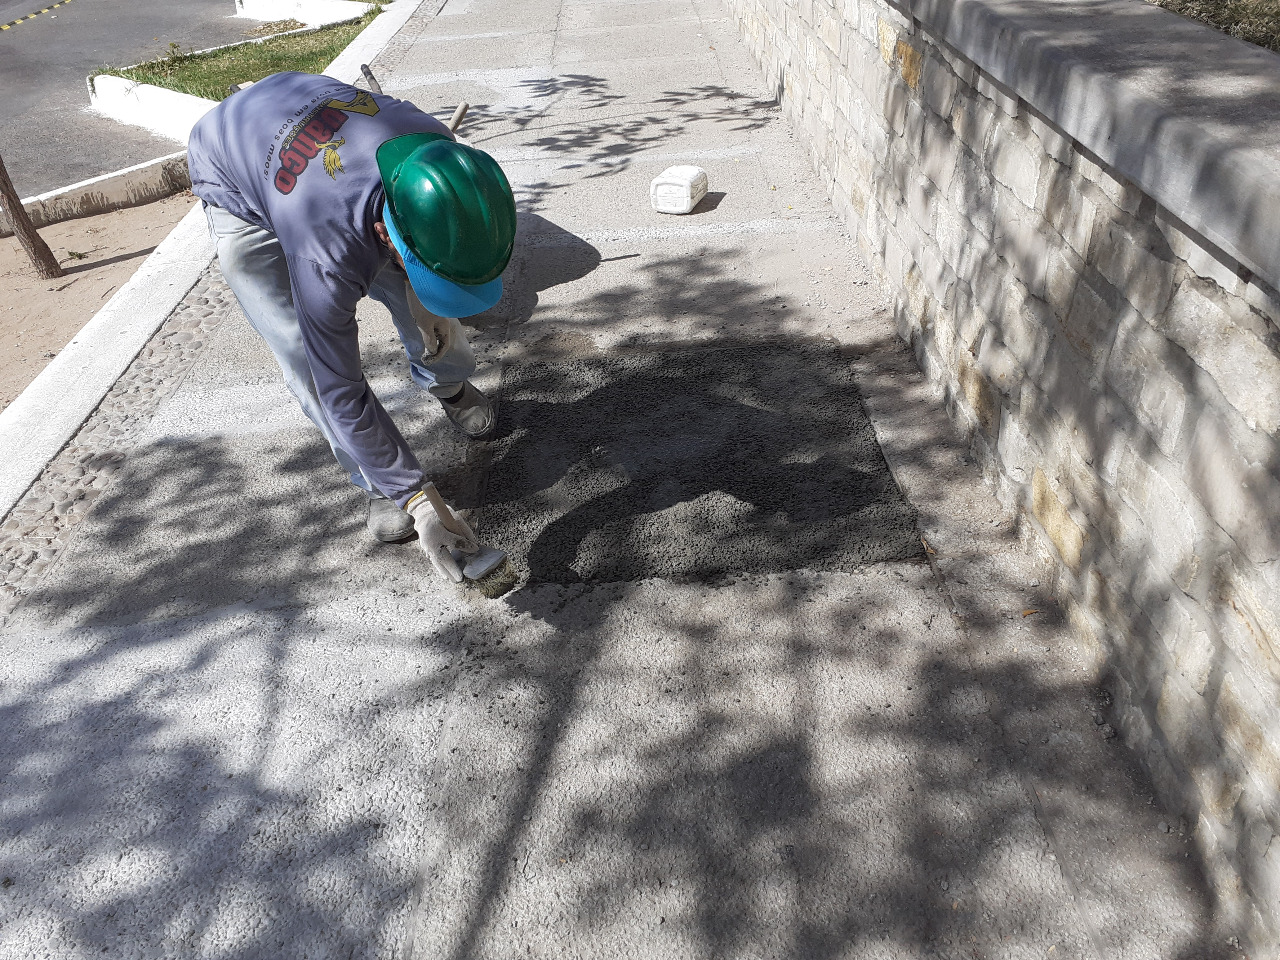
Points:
(437, 332)
(440, 538)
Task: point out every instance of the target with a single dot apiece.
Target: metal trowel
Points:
(474, 566)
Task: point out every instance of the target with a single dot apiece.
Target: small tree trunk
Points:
(41, 257)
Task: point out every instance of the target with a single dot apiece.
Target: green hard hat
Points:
(452, 203)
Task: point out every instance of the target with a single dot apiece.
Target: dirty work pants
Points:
(253, 264)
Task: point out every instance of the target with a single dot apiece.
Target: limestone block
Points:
(1022, 238)
(1184, 718)
(969, 318)
(1017, 452)
(920, 193)
(1004, 98)
(896, 259)
(913, 130)
(912, 237)
(1118, 190)
(1248, 619)
(1244, 368)
(974, 193)
(1215, 266)
(1139, 264)
(1063, 275)
(827, 113)
(829, 30)
(966, 70)
(999, 366)
(940, 86)
(915, 302)
(896, 98)
(887, 37)
(844, 98)
(961, 244)
(1053, 141)
(1151, 378)
(1014, 160)
(869, 22)
(1259, 827)
(938, 149)
(1266, 300)
(1027, 328)
(951, 233)
(910, 64)
(990, 278)
(1238, 712)
(1092, 319)
(982, 399)
(877, 137)
(1066, 535)
(1187, 631)
(1068, 208)
(972, 119)
(939, 279)
(1236, 492)
(1170, 519)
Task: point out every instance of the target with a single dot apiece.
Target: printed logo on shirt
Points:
(314, 135)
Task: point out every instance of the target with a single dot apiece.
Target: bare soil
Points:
(38, 317)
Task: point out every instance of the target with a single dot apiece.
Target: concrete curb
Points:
(166, 113)
(47, 414)
(130, 187)
(35, 426)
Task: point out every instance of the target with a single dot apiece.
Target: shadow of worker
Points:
(545, 256)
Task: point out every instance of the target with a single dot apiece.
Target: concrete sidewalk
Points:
(741, 709)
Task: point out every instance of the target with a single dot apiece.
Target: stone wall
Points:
(1117, 371)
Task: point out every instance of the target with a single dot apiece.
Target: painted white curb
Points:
(314, 13)
(130, 187)
(35, 426)
(166, 113)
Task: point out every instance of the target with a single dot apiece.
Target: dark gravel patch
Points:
(691, 464)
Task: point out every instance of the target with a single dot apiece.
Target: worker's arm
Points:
(326, 307)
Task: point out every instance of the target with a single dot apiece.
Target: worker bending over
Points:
(319, 194)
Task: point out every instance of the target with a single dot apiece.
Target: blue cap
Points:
(442, 297)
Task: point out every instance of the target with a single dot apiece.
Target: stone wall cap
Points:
(1188, 114)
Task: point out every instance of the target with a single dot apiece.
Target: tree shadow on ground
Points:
(788, 777)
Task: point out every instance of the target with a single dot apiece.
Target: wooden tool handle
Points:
(369, 78)
(448, 519)
(458, 114)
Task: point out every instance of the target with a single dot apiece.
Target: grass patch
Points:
(1255, 21)
(211, 74)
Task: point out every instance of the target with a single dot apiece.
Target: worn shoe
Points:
(471, 412)
(387, 522)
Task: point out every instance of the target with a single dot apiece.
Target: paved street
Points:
(50, 139)
(784, 683)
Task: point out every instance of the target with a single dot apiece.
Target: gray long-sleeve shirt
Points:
(295, 154)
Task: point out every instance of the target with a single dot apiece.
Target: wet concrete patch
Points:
(691, 464)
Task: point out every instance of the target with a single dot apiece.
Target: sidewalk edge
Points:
(35, 426)
(47, 414)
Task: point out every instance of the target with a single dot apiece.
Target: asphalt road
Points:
(50, 138)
